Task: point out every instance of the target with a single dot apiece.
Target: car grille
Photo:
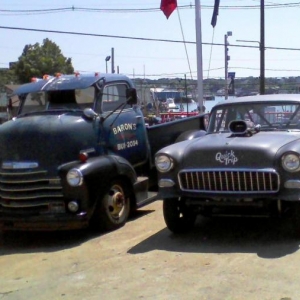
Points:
(31, 191)
(229, 181)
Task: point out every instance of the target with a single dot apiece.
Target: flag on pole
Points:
(215, 13)
(168, 6)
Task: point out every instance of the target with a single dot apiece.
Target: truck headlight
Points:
(74, 177)
(291, 162)
(163, 163)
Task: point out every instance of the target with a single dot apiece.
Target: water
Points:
(209, 104)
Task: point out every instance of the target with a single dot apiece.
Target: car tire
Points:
(113, 208)
(296, 220)
(178, 217)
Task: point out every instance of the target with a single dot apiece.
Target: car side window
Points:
(217, 121)
(113, 97)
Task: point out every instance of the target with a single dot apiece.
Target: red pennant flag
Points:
(168, 6)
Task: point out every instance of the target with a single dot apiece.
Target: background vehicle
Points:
(248, 164)
(78, 153)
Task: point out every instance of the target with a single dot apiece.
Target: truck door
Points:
(125, 127)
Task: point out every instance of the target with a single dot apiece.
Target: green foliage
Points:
(243, 86)
(38, 60)
(7, 77)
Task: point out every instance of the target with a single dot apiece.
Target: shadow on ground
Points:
(12, 242)
(268, 238)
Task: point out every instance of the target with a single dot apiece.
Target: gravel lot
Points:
(224, 259)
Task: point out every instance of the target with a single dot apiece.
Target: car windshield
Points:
(269, 115)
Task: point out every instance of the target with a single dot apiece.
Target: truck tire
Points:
(112, 209)
(178, 217)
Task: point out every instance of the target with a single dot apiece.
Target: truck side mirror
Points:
(131, 96)
(89, 113)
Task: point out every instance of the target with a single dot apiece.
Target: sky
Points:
(146, 44)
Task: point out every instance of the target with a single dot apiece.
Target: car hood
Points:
(47, 140)
(227, 151)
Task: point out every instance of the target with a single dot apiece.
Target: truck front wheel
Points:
(178, 217)
(113, 208)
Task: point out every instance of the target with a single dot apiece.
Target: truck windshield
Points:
(270, 116)
(58, 100)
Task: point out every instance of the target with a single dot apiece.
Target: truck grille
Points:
(229, 181)
(28, 190)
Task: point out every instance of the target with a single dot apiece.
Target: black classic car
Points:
(247, 163)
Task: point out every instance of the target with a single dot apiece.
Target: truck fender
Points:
(189, 135)
(107, 167)
(98, 172)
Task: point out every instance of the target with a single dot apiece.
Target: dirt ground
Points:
(220, 259)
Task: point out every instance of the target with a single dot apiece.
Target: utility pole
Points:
(262, 47)
(186, 97)
(112, 60)
(107, 58)
(262, 66)
(199, 55)
(227, 58)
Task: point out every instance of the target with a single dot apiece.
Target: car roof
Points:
(261, 98)
(68, 82)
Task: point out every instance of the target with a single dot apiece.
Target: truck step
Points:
(143, 196)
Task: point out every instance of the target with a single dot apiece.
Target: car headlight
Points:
(163, 163)
(291, 162)
(74, 177)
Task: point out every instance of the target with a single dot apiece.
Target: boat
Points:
(220, 92)
(162, 94)
(208, 97)
(171, 104)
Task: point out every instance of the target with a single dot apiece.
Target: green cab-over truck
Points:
(77, 153)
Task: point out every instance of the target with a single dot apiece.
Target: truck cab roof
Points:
(68, 82)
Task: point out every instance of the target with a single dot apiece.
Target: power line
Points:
(138, 38)
(140, 10)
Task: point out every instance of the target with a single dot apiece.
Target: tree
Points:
(7, 77)
(38, 60)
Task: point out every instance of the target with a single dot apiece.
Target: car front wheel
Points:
(296, 219)
(178, 217)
